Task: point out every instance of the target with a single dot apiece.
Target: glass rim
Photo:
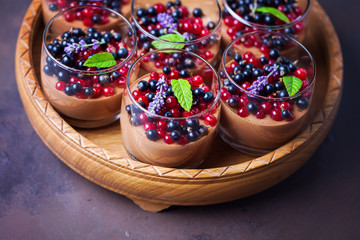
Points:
(216, 98)
(298, 94)
(93, 72)
(218, 24)
(267, 27)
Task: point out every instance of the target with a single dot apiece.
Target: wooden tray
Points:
(99, 154)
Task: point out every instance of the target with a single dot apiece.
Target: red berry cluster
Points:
(82, 85)
(190, 23)
(89, 16)
(183, 131)
(246, 69)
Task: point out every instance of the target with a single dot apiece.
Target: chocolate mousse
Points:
(157, 129)
(74, 82)
(265, 100)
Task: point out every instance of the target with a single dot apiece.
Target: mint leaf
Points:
(169, 37)
(292, 84)
(280, 15)
(101, 60)
(182, 91)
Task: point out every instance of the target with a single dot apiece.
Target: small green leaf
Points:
(101, 60)
(182, 91)
(292, 84)
(280, 15)
(169, 37)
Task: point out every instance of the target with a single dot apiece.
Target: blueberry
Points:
(134, 120)
(78, 32)
(104, 80)
(285, 114)
(56, 49)
(175, 135)
(292, 67)
(199, 92)
(239, 78)
(143, 86)
(184, 73)
(152, 135)
(68, 60)
(208, 97)
(141, 12)
(177, 55)
(117, 37)
(289, 31)
(115, 75)
(269, 88)
(123, 53)
(80, 65)
(233, 102)
(53, 7)
(89, 92)
(283, 93)
(151, 96)
(63, 76)
(232, 89)
(152, 11)
(69, 91)
(48, 70)
(264, 60)
(97, 35)
(189, 63)
(66, 35)
(211, 25)
(166, 69)
(302, 102)
(274, 53)
(152, 85)
(155, 32)
(169, 92)
(177, 3)
(238, 58)
(176, 14)
(193, 136)
(247, 74)
(258, 18)
(169, 4)
(96, 18)
(258, 72)
(173, 126)
(147, 46)
(279, 86)
(76, 87)
(269, 19)
(249, 66)
(252, 107)
(193, 124)
(168, 114)
(92, 30)
(284, 70)
(197, 12)
(203, 130)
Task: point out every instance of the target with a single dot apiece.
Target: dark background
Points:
(41, 198)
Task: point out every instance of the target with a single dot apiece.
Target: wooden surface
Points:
(227, 175)
(41, 198)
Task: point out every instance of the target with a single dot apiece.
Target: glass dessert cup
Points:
(155, 126)
(239, 19)
(51, 7)
(198, 23)
(87, 96)
(261, 106)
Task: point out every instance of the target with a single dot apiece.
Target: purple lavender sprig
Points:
(167, 21)
(158, 101)
(262, 81)
(82, 45)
